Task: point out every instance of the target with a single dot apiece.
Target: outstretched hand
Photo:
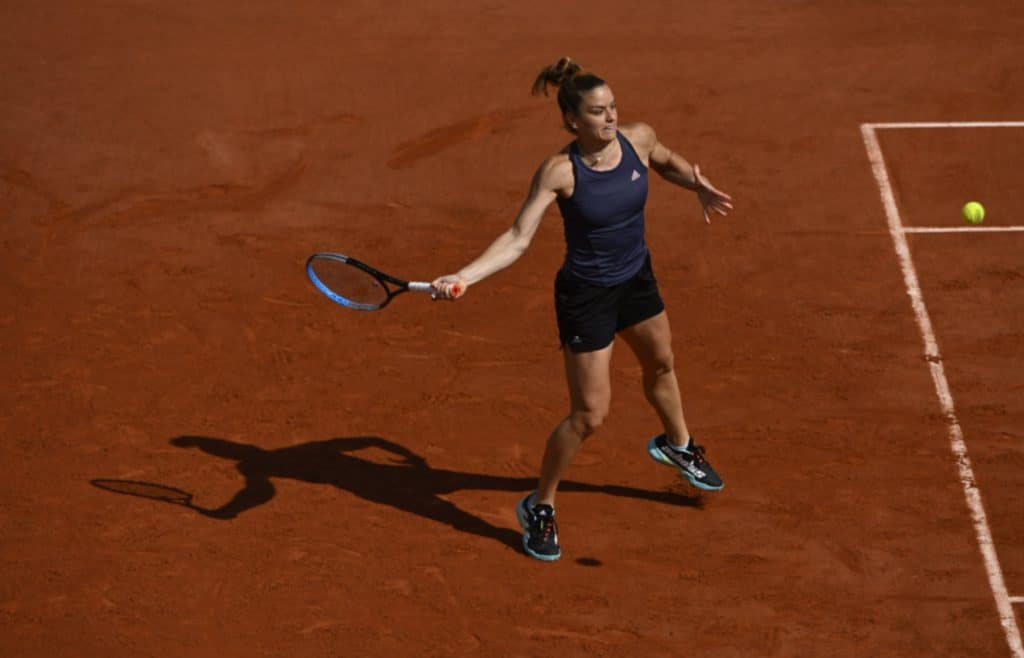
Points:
(711, 199)
(450, 287)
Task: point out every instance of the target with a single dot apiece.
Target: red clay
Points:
(166, 169)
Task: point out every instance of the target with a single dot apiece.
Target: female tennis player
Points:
(606, 285)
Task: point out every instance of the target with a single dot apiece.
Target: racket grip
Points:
(422, 286)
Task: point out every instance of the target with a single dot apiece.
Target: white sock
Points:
(685, 447)
(530, 502)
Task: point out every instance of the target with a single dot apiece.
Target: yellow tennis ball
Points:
(973, 212)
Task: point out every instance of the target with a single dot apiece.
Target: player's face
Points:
(597, 116)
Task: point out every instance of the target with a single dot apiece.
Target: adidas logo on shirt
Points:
(636, 175)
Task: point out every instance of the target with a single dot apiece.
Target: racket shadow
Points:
(407, 482)
(149, 490)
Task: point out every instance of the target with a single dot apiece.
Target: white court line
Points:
(982, 531)
(956, 124)
(961, 229)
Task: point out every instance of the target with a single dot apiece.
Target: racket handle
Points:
(423, 286)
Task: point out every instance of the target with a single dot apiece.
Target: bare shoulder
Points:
(641, 136)
(555, 173)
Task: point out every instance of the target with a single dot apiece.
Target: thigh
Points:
(651, 341)
(589, 379)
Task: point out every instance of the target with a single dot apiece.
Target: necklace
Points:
(596, 157)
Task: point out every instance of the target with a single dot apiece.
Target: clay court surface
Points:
(166, 168)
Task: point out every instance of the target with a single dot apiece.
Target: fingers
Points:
(713, 203)
(721, 207)
(448, 288)
(710, 197)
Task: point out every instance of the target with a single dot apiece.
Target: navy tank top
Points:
(604, 219)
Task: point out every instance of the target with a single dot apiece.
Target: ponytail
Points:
(572, 82)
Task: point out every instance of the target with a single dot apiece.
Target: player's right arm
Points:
(553, 175)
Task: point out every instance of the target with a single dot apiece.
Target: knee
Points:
(662, 364)
(587, 421)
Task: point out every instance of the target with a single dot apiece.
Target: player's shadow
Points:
(405, 481)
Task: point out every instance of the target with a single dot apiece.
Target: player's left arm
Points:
(676, 169)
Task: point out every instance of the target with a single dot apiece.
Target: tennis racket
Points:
(354, 284)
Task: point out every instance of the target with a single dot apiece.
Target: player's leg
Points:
(643, 324)
(651, 341)
(586, 328)
(589, 380)
(590, 394)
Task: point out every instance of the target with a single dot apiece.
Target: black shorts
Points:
(589, 316)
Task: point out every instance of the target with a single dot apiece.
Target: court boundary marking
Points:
(983, 533)
(962, 229)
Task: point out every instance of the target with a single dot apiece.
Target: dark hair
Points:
(572, 82)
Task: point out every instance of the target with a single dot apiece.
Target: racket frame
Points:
(400, 285)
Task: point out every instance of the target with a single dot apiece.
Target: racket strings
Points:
(350, 282)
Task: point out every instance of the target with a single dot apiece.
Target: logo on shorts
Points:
(636, 175)
(575, 340)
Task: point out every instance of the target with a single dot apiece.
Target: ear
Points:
(570, 120)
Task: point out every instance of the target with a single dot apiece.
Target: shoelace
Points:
(697, 452)
(547, 527)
